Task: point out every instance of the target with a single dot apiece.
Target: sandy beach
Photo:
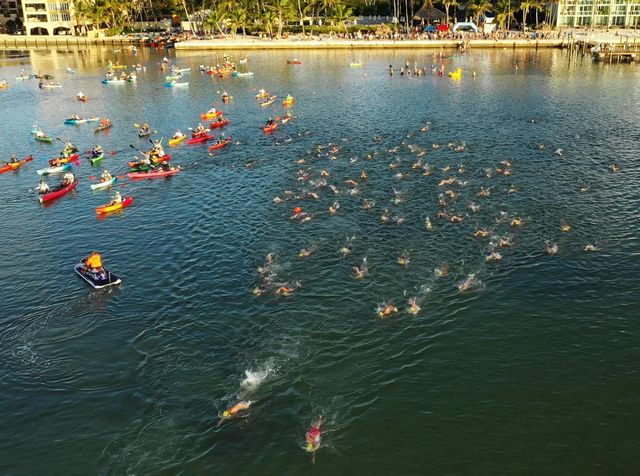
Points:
(297, 44)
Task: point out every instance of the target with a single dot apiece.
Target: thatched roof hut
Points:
(429, 14)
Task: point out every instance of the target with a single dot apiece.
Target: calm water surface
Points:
(534, 371)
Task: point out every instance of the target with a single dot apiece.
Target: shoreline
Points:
(268, 44)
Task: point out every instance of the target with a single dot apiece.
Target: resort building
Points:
(48, 18)
(10, 10)
(597, 13)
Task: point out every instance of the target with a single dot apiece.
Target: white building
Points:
(597, 13)
(48, 18)
(10, 10)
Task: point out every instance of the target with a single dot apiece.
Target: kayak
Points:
(51, 85)
(242, 75)
(175, 85)
(113, 81)
(220, 145)
(289, 102)
(171, 78)
(177, 140)
(103, 127)
(47, 197)
(295, 61)
(356, 65)
(270, 129)
(155, 160)
(217, 125)
(15, 165)
(63, 160)
(262, 95)
(181, 70)
(71, 71)
(105, 184)
(116, 66)
(44, 138)
(54, 170)
(95, 160)
(23, 77)
(81, 121)
(210, 115)
(115, 207)
(4, 85)
(83, 98)
(200, 139)
(269, 101)
(153, 173)
(97, 279)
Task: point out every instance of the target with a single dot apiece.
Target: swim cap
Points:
(225, 413)
(297, 210)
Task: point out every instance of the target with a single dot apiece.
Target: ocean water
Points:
(532, 370)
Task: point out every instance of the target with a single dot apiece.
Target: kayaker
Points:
(96, 152)
(13, 159)
(212, 110)
(157, 150)
(81, 95)
(93, 262)
(68, 178)
(75, 116)
(178, 134)
(145, 129)
(270, 122)
(312, 438)
(43, 187)
(199, 131)
(106, 176)
(117, 198)
(105, 122)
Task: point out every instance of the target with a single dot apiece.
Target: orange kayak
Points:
(116, 206)
(15, 165)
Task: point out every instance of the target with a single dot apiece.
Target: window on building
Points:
(13, 5)
(66, 17)
(618, 21)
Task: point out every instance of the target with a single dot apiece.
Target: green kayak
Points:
(95, 160)
(46, 139)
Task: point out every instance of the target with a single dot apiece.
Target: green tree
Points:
(525, 6)
(448, 4)
(342, 14)
(478, 8)
(503, 12)
(283, 10)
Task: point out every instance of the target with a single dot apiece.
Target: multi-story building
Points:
(48, 18)
(597, 13)
(10, 10)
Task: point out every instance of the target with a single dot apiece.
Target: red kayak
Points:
(47, 197)
(200, 139)
(216, 125)
(64, 160)
(221, 144)
(270, 129)
(156, 160)
(15, 165)
(153, 173)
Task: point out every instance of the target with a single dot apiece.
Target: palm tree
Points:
(448, 4)
(237, 19)
(478, 8)
(342, 14)
(503, 12)
(525, 6)
(268, 19)
(283, 10)
(537, 6)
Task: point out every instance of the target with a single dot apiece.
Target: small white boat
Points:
(105, 184)
(180, 70)
(176, 85)
(71, 71)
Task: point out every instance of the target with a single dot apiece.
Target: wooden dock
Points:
(15, 42)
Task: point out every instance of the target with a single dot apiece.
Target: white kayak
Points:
(105, 184)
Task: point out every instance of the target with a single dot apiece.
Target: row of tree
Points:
(232, 16)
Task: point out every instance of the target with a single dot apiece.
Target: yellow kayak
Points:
(177, 140)
(116, 206)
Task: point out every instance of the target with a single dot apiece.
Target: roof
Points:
(429, 13)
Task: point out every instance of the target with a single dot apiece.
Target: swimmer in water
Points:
(312, 439)
(559, 152)
(403, 259)
(306, 252)
(234, 411)
(614, 168)
(361, 271)
(591, 247)
(565, 227)
(427, 224)
(348, 246)
(493, 256)
(468, 283)
(516, 222)
(481, 233)
(441, 270)
(368, 204)
(335, 206)
(412, 306)
(484, 192)
(552, 248)
(385, 310)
